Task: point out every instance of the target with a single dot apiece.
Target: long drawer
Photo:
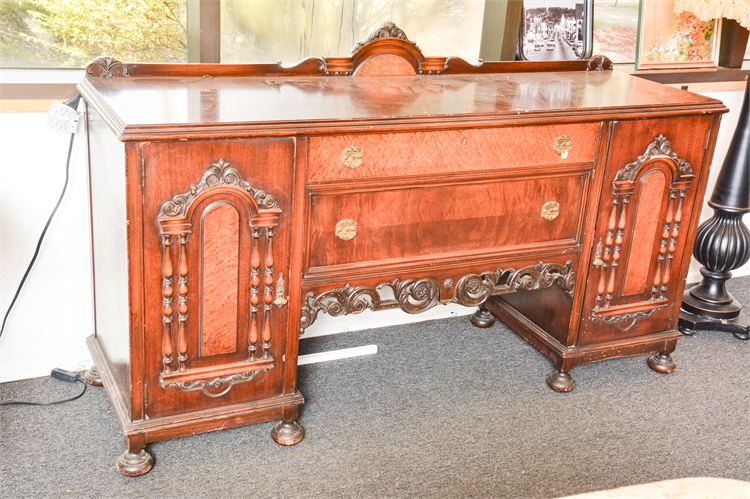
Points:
(377, 155)
(492, 216)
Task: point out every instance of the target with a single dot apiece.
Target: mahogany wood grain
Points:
(689, 139)
(550, 309)
(449, 151)
(267, 164)
(233, 178)
(164, 108)
(445, 219)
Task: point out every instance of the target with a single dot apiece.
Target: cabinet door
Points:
(645, 211)
(216, 238)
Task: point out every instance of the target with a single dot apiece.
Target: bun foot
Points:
(662, 363)
(133, 464)
(561, 382)
(288, 433)
(482, 318)
(92, 377)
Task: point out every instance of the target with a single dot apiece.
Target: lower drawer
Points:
(492, 216)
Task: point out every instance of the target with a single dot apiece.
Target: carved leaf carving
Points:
(106, 67)
(219, 173)
(659, 147)
(387, 30)
(418, 295)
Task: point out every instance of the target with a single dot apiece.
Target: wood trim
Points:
(297, 257)
(136, 295)
(26, 105)
(589, 231)
(566, 358)
(694, 75)
(204, 31)
(387, 39)
(490, 258)
(372, 184)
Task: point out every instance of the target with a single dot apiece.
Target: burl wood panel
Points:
(649, 210)
(220, 235)
(170, 169)
(385, 65)
(499, 215)
(449, 151)
(689, 140)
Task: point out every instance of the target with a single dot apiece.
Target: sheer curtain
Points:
(289, 30)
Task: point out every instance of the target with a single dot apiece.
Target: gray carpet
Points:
(443, 410)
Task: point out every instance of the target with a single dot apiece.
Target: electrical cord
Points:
(59, 374)
(73, 103)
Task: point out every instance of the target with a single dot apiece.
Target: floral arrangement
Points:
(691, 41)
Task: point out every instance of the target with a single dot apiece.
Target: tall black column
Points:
(723, 242)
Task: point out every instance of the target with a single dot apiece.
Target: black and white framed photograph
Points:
(555, 30)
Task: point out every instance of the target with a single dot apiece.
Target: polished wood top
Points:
(386, 83)
(174, 104)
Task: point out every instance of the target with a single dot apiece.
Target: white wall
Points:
(53, 316)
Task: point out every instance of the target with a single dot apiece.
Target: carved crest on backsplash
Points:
(106, 67)
(387, 30)
(599, 63)
(219, 173)
(659, 147)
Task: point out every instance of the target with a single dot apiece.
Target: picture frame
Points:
(556, 30)
(683, 42)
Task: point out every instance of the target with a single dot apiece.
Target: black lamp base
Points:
(690, 323)
(708, 306)
(722, 243)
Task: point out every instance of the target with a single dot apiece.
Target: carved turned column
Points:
(723, 242)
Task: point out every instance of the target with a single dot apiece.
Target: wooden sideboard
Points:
(231, 205)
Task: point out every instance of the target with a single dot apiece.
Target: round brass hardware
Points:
(563, 145)
(550, 210)
(346, 229)
(352, 157)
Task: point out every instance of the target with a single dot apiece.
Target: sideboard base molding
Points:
(284, 408)
(564, 359)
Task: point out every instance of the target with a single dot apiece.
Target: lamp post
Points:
(723, 242)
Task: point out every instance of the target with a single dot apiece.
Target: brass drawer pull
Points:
(346, 229)
(352, 157)
(562, 146)
(550, 210)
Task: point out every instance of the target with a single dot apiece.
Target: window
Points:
(616, 29)
(289, 30)
(69, 33)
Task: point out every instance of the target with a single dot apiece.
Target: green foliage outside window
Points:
(69, 33)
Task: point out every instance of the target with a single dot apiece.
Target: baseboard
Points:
(326, 325)
(28, 372)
